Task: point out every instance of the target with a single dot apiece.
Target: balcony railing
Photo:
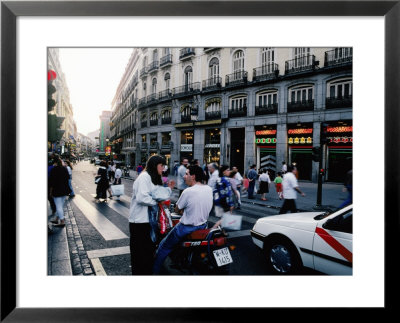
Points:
(153, 66)
(339, 56)
(166, 60)
(213, 115)
(266, 72)
(153, 122)
(186, 89)
(301, 64)
(339, 102)
(235, 79)
(142, 102)
(143, 124)
(152, 98)
(208, 49)
(213, 83)
(163, 95)
(267, 109)
(186, 52)
(235, 113)
(143, 71)
(166, 120)
(133, 104)
(186, 118)
(305, 105)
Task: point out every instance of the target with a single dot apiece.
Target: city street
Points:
(98, 232)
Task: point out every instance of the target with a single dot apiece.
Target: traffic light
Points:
(322, 172)
(316, 152)
(50, 91)
(324, 133)
(53, 127)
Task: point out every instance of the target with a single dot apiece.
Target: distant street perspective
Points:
(200, 161)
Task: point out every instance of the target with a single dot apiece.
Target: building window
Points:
(238, 103)
(302, 57)
(154, 86)
(188, 76)
(166, 51)
(155, 55)
(267, 98)
(166, 116)
(154, 118)
(213, 108)
(213, 70)
(238, 64)
(339, 94)
(301, 93)
(185, 113)
(267, 59)
(167, 79)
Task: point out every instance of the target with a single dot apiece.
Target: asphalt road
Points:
(104, 228)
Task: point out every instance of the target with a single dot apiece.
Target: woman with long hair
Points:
(142, 247)
(59, 189)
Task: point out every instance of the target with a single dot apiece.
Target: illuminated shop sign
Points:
(339, 129)
(186, 147)
(212, 146)
(300, 131)
(265, 140)
(338, 140)
(299, 140)
(265, 132)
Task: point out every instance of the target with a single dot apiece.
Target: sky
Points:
(92, 76)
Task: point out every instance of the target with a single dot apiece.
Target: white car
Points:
(318, 240)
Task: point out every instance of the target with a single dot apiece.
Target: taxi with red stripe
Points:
(317, 240)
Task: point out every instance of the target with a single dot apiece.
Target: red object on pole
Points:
(51, 75)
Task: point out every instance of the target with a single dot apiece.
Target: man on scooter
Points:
(196, 203)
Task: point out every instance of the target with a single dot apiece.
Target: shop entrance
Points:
(237, 149)
(303, 159)
(339, 163)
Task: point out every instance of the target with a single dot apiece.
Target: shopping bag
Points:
(97, 179)
(231, 221)
(117, 190)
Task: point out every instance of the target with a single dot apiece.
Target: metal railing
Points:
(267, 109)
(186, 52)
(142, 102)
(297, 106)
(213, 115)
(186, 89)
(300, 64)
(143, 71)
(236, 78)
(152, 98)
(339, 56)
(265, 72)
(212, 83)
(186, 118)
(153, 122)
(164, 94)
(143, 124)
(166, 120)
(166, 60)
(153, 66)
(339, 102)
(234, 113)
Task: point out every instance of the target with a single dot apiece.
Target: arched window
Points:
(213, 71)
(301, 93)
(238, 64)
(339, 93)
(213, 108)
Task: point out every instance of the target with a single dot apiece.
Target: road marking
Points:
(104, 226)
(98, 267)
(108, 252)
(119, 208)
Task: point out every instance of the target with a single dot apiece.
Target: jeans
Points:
(176, 235)
(59, 201)
(250, 190)
(70, 186)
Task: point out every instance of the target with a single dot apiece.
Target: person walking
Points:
(278, 185)
(59, 189)
(264, 184)
(290, 187)
(103, 185)
(142, 247)
(195, 204)
(284, 167)
(112, 171)
(69, 168)
(235, 189)
(214, 175)
(181, 174)
(252, 177)
(238, 178)
(223, 195)
(117, 175)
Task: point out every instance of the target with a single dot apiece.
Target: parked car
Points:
(317, 240)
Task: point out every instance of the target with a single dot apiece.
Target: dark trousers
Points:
(288, 205)
(51, 200)
(250, 190)
(142, 249)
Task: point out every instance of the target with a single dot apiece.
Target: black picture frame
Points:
(10, 10)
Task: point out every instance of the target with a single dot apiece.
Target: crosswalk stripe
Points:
(108, 252)
(119, 208)
(98, 267)
(104, 226)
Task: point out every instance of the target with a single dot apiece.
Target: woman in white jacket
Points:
(142, 248)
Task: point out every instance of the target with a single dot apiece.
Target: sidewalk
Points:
(58, 259)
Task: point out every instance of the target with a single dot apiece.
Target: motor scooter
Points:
(203, 252)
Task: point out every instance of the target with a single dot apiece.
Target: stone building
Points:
(237, 106)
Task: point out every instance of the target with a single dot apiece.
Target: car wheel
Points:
(282, 257)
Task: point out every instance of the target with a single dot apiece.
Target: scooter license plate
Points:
(222, 257)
